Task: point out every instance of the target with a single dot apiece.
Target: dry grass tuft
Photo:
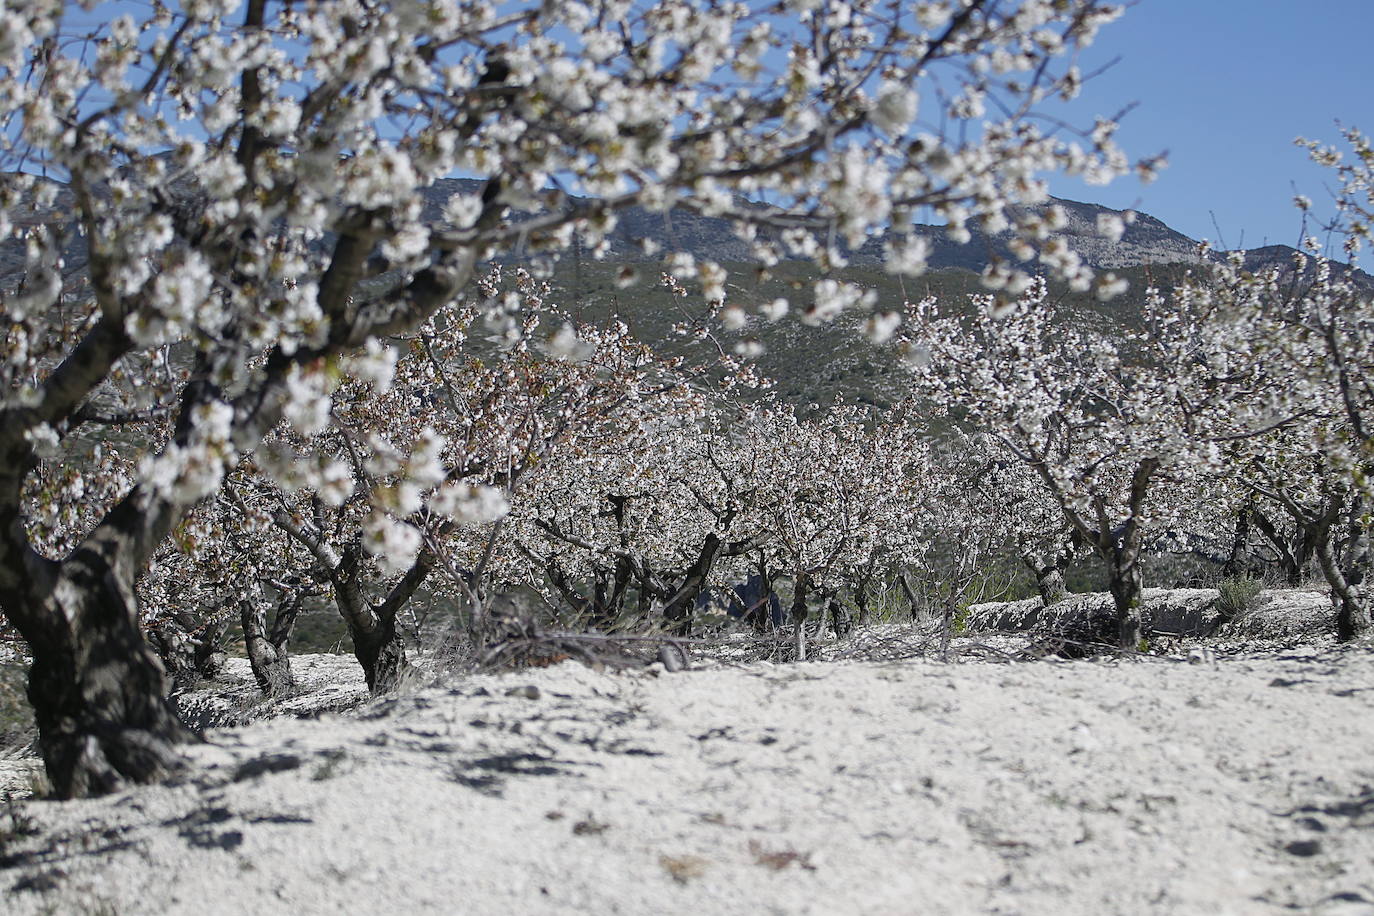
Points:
(683, 868)
(779, 859)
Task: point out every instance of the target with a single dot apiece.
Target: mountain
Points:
(1146, 242)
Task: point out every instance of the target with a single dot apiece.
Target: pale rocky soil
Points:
(1240, 782)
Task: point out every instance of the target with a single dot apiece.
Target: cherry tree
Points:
(1105, 422)
(1290, 444)
(216, 199)
(410, 475)
(831, 502)
(1007, 496)
(1300, 414)
(653, 510)
(841, 498)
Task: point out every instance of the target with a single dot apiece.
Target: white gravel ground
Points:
(1241, 785)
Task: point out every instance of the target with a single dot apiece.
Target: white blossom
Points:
(1111, 226)
(470, 504)
(393, 544)
(894, 108)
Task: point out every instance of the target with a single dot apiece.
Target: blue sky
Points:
(1225, 86)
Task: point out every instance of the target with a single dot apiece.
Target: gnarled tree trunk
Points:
(1049, 578)
(677, 612)
(1049, 567)
(1240, 541)
(1121, 546)
(377, 644)
(267, 650)
(190, 647)
(1293, 552)
(97, 689)
(1346, 578)
(381, 652)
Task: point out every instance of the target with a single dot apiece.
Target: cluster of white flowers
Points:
(186, 472)
(394, 544)
(470, 504)
(308, 399)
(374, 366)
(834, 297)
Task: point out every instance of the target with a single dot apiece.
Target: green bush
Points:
(1237, 596)
(959, 625)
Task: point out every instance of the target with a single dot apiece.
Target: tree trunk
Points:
(840, 619)
(189, 646)
(1049, 567)
(1293, 553)
(1049, 578)
(860, 591)
(1121, 548)
(1233, 566)
(678, 611)
(800, 589)
(96, 687)
(1126, 583)
(913, 603)
(1353, 617)
(267, 654)
(377, 644)
(765, 612)
(381, 652)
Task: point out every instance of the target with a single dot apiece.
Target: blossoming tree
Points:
(1300, 426)
(1101, 420)
(215, 198)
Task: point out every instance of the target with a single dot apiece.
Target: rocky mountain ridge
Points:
(1146, 241)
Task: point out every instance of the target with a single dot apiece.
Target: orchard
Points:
(244, 366)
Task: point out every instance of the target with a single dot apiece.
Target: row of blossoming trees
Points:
(620, 487)
(239, 361)
(1237, 409)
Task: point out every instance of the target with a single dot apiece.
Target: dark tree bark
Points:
(860, 590)
(840, 619)
(1234, 565)
(1293, 553)
(1121, 546)
(267, 649)
(1354, 618)
(1126, 583)
(190, 647)
(913, 603)
(97, 689)
(1346, 576)
(1049, 567)
(677, 613)
(1049, 577)
(377, 644)
(381, 652)
(1345, 570)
